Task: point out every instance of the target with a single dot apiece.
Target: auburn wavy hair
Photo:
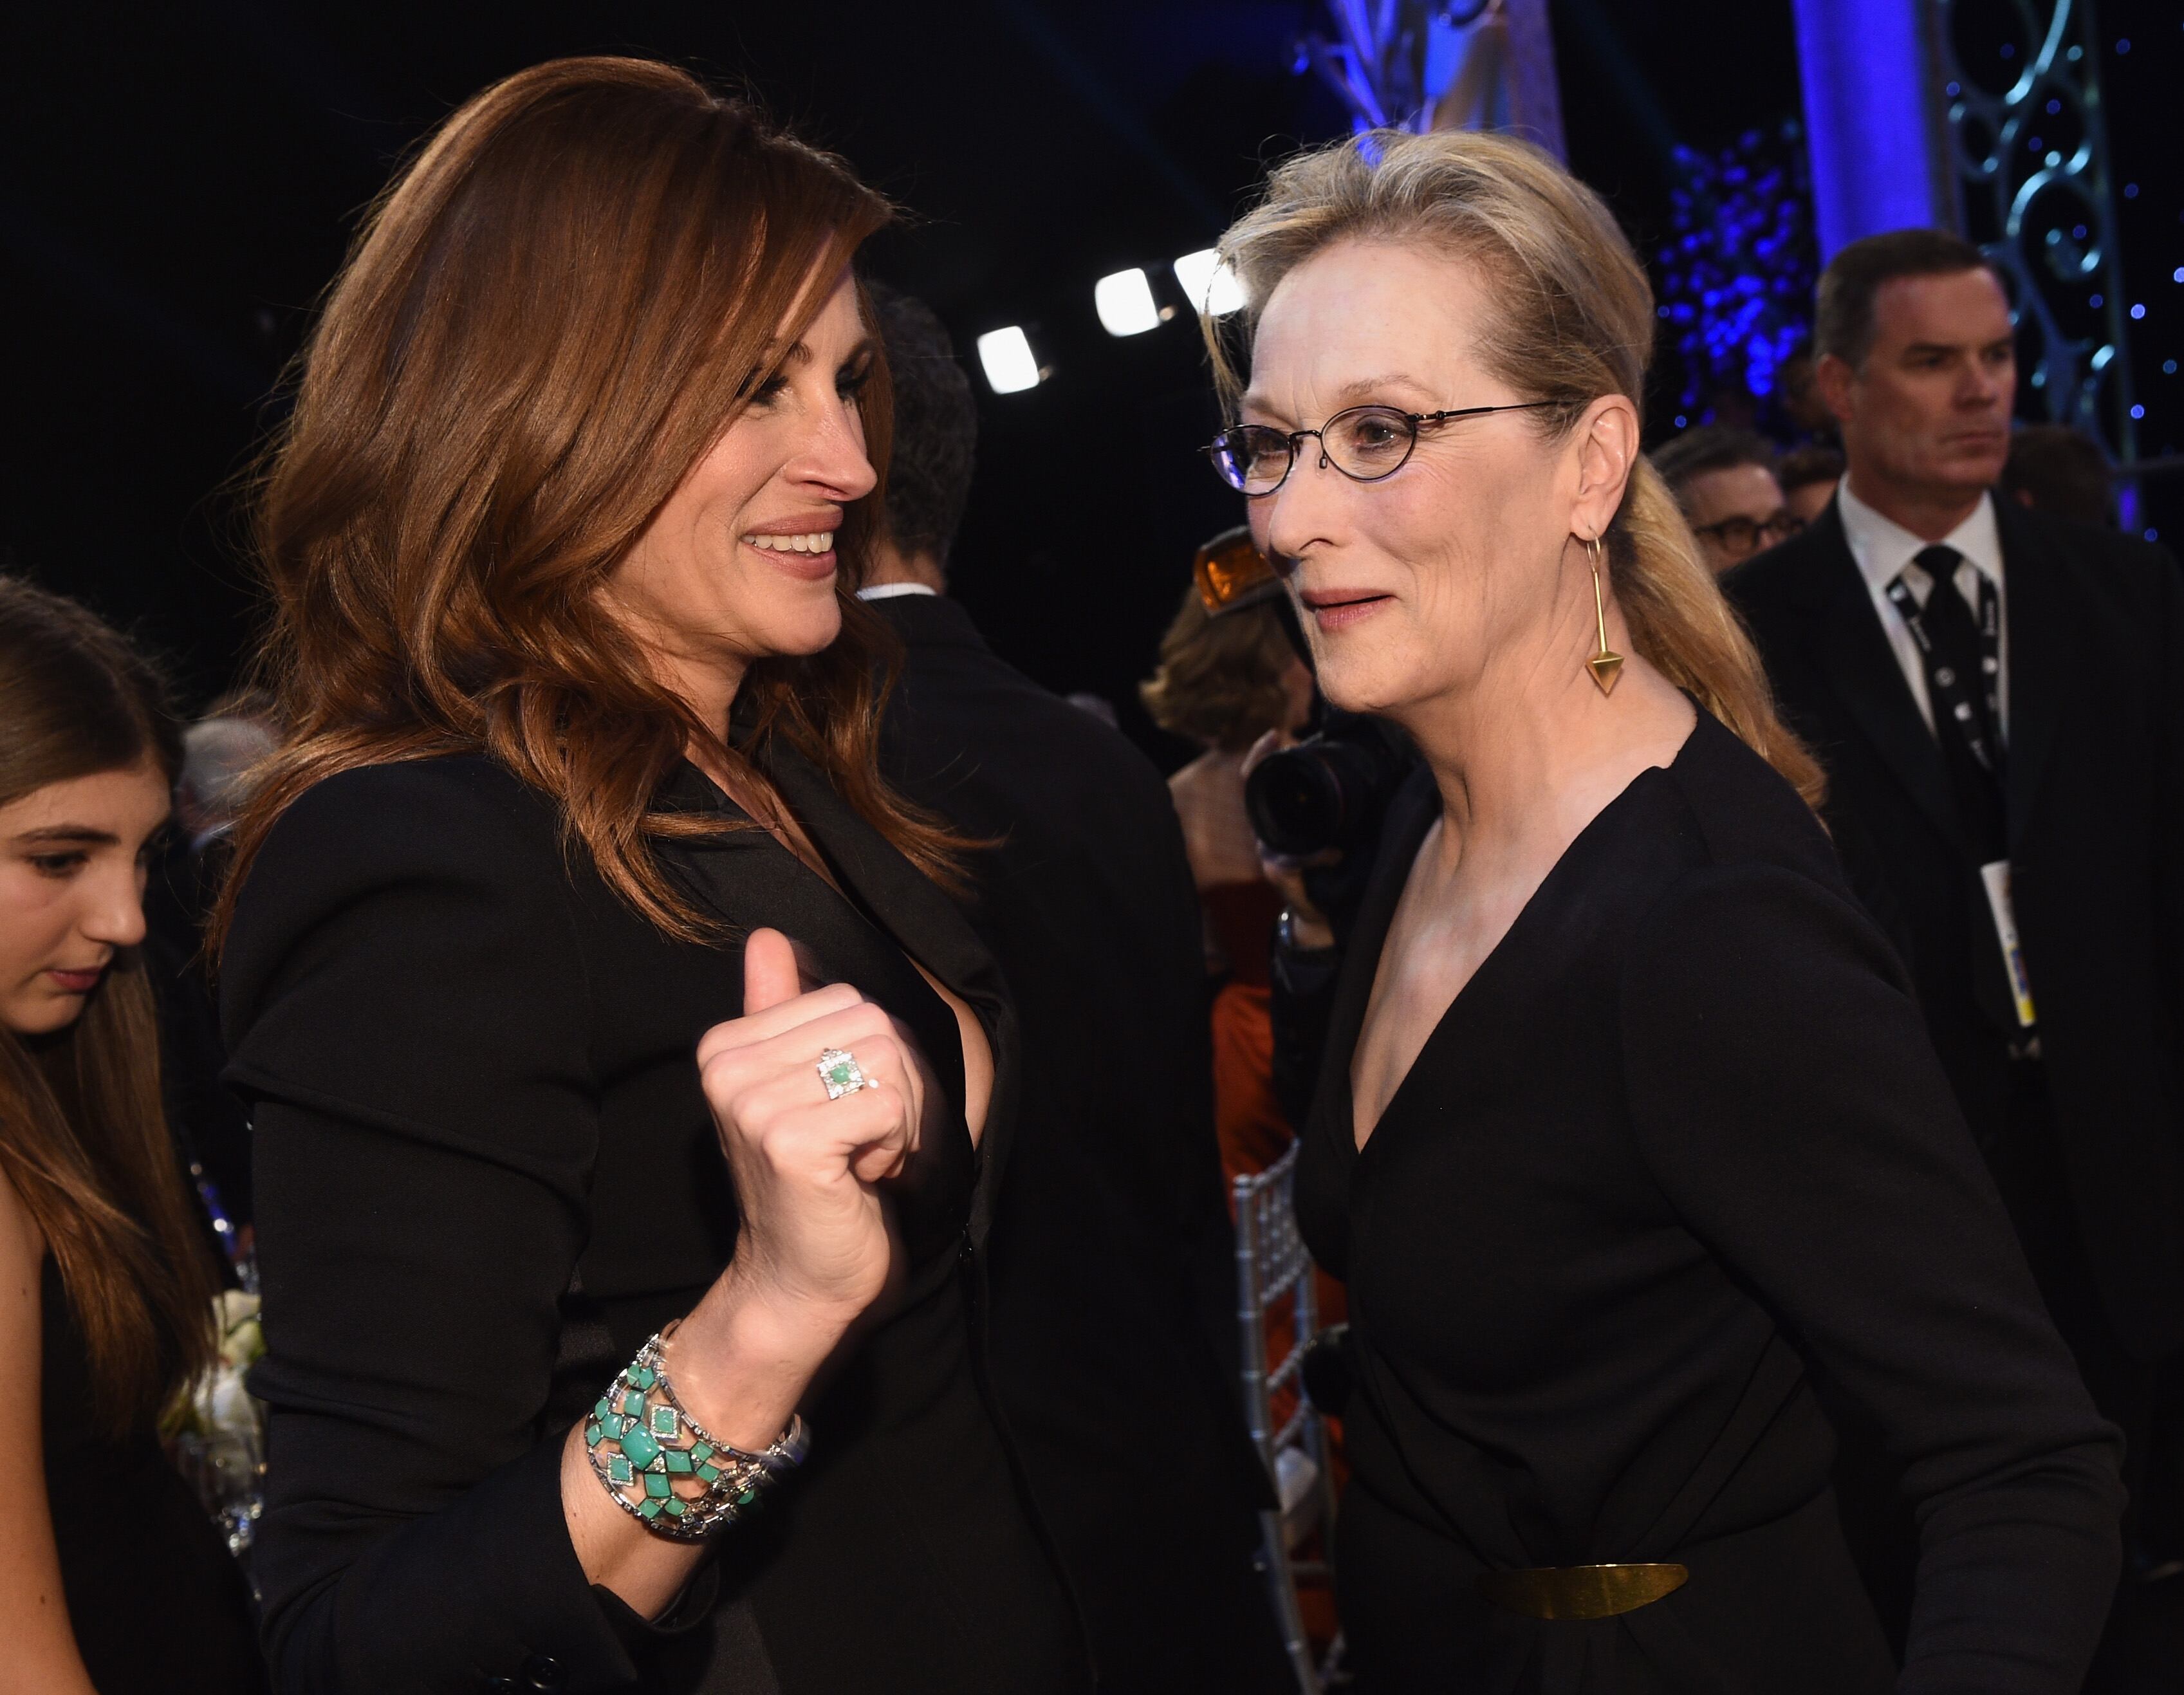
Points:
(547, 319)
(83, 1131)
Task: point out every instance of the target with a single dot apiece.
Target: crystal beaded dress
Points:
(1678, 1155)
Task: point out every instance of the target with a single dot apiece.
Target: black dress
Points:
(157, 1605)
(486, 1173)
(1678, 1150)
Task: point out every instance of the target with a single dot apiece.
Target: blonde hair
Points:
(1219, 681)
(1574, 322)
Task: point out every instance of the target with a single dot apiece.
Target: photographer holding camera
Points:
(1228, 679)
(1313, 806)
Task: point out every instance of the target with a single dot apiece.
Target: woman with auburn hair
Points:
(112, 1577)
(1628, 1130)
(630, 1101)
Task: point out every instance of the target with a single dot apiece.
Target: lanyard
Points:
(1952, 691)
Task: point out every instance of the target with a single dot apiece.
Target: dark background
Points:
(180, 185)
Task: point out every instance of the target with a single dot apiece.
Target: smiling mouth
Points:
(813, 541)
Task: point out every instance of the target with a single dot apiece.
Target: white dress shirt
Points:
(1883, 549)
(889, 591)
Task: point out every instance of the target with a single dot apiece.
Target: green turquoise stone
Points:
(678, 1461)
(594, 1436)
(663, 1422)
(619, 1471)
(642, 1376)
(649, 1507)
(641, 1449)
(656, 1485)
(604, 1410)
(673, 1507)
(701, 1451)
(709, 1472)
(746, 1498)
(633, 1403)
(839, 1074)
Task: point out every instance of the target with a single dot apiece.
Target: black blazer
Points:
(486, 1173)
(1114, 1332)
(2096, 805)
(1679, 1140)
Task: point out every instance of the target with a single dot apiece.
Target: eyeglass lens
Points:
(1742, 535)
(1365, 442)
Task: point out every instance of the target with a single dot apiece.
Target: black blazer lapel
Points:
(2039, 616)
(930, 929)
(1862, 666)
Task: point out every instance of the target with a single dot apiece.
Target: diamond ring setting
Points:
(840, 1071)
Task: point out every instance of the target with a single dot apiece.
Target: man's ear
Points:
(1836, 380)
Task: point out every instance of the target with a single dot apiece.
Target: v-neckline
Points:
(1533, 903)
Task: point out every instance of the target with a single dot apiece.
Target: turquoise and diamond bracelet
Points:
(662, 1466)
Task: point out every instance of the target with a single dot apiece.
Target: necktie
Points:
(1962, 693)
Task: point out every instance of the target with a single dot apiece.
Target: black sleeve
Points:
(406, 1008)
(1791, 1108)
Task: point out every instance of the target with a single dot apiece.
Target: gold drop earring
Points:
(1606, 665)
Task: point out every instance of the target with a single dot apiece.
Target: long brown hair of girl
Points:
(548, 319)
(83, 1135)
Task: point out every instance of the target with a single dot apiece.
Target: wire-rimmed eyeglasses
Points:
(1365, 443)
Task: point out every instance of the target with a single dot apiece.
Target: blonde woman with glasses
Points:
(1629, 1133)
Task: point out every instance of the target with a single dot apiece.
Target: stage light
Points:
(1125, 303)
(1209, 285)
(1007, 357)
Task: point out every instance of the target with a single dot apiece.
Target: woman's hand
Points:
(815, 1234)
(814, 1250)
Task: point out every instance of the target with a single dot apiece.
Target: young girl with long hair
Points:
(112, 1577)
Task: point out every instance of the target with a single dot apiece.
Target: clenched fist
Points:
(815, 1234)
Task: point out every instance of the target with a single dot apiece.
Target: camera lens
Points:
(1330, 790)
(1295, 800)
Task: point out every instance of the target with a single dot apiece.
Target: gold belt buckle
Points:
(1581, 1592)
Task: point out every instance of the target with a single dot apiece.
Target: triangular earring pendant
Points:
(1606, 665)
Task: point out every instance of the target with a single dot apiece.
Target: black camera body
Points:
(1331, 790)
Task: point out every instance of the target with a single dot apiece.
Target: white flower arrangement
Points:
(218, 1430)
(218, 1404)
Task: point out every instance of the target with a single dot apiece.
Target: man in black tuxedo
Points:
(1997, 694)
(1113, 1328)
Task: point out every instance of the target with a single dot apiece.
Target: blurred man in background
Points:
(1112, 1325)
(1723, 478)
(1994, 693)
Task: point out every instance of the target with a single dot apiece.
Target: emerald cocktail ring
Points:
(840, 1071)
